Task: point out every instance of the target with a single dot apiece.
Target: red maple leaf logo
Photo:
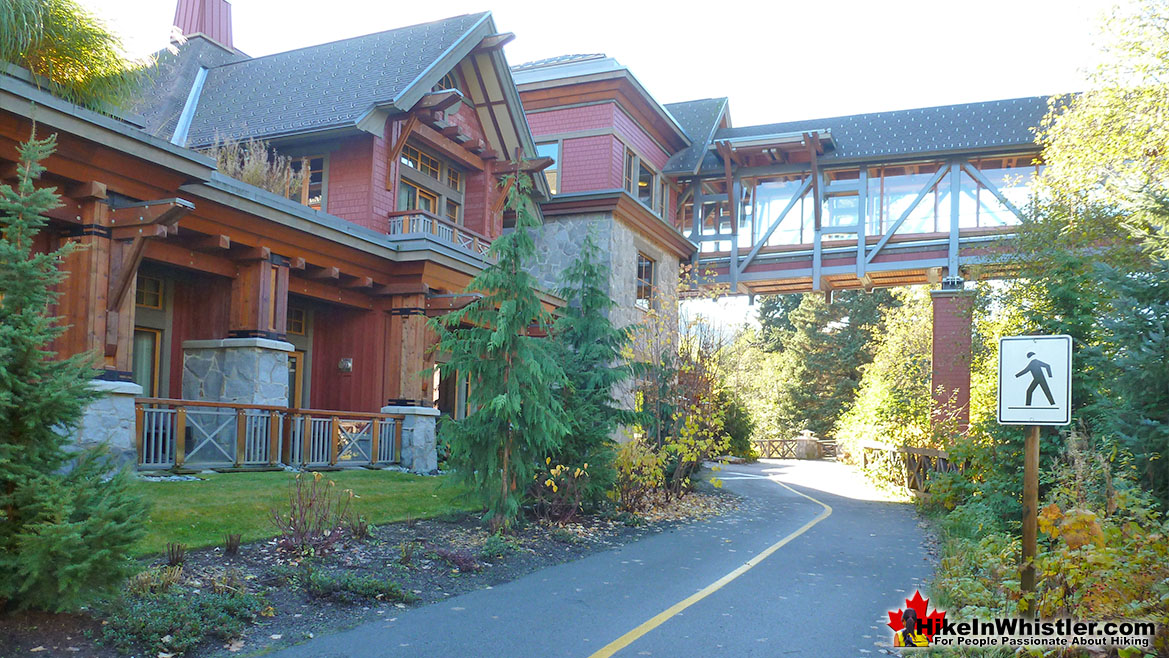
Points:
(930, 623)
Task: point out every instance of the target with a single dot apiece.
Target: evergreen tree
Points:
(65, 527)
(514, 378)
(822, 357)
(775, 320)
(590, 349)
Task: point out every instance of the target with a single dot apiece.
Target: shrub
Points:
(497, 546)
(460, 558)
(351, 588)
(314, 519)
(639, 472)
(154, 581)
(255, 162)
(175, 622)
(738, 425)
(559, 493)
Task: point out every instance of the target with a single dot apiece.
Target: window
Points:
(412, 197)
(423, 162)
(643, 183)
(453, 212)
(149, 292)
(312, 191)
(144, 360)
(449, 81)
(645, 281)
(430, 184)
(296, 321)
(552, 174)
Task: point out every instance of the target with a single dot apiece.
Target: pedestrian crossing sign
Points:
(1035, 380)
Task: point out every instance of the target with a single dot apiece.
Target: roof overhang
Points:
(626, 208)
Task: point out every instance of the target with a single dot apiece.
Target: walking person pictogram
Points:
(1037, 368)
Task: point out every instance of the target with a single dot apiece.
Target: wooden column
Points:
(84, 293)
(407, 354)
(259, 296)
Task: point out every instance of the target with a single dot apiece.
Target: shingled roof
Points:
(699, 119)
(986, 126)
(331, 85)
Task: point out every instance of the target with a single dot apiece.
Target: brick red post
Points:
(950, 382)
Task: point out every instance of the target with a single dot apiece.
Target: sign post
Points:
(1035, 388)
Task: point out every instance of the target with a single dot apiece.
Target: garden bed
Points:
(401, 565)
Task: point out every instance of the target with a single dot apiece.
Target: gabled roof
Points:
(332, 85)
(699, 119)
(968, 127)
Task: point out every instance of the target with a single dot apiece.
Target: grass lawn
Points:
(201, 513)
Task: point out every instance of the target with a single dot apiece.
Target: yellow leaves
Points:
(316, 476)
(268, 611)
(1048, 519)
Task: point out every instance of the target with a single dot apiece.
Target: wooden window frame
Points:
(420, 193)
(634, 163)
(421, 161)
(140, 292)
(295, 395)
(645, 302)
(434, 187)
(454, 178)
(458, 218)
(303, 321)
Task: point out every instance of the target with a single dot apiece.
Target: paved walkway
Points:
(806, 569)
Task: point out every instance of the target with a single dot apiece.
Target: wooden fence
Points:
(917, 464)
(173, 433)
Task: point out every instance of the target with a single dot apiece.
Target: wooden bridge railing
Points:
(918, 463)
(172, 433)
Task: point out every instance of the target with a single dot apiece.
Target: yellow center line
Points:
(660, 618)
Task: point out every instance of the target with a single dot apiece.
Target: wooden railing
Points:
(812, 447)
(419, 221)
(775, 448)
(175, 433)
(918, 464)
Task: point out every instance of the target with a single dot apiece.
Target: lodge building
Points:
(238, 328)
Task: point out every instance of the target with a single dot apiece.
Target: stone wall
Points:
(624, 245)
(109, 420)
(558, 243)
(236, 370)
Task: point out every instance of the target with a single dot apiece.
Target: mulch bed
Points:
(424, 574)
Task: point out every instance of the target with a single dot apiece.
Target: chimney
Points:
(207, 18)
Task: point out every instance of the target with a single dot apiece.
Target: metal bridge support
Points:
(952, 334)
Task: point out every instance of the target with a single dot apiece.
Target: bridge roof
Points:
(889, 136)
(699, 119)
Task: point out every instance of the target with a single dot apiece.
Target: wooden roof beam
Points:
(165, 212)
(494, 42)
(317, 273)
(439, 101)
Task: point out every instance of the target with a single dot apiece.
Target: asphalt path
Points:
(808, 566)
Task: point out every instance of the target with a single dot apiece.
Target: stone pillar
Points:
(236, 370)
(419, 446)
(952, 332)
(109, 420)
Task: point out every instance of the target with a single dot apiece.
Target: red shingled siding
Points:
(571, 119)
(640, 140)
(201, 306)
(351, 168)
(590, 163)
(349, 333)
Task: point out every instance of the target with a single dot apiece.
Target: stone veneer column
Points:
(419, 444)
(236, 370)
(109, 420)
(952, 336)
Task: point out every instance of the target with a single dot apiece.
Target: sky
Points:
(776, 61)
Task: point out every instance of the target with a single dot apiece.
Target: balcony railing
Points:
(176, 433)
(421, 222)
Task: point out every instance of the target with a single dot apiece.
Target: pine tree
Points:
(590, 350)
(65, 525)
(518, 419)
